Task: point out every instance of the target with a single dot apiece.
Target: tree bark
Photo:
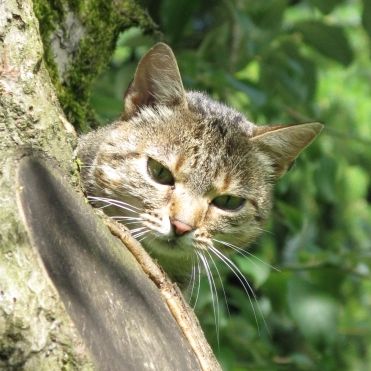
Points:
(72, 296)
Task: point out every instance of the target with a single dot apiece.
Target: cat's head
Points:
(183, 171)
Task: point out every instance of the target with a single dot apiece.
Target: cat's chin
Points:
(176, 257)
(173, 247)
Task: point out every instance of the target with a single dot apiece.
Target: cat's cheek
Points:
(238, 239)
(159, 222)
(107, 179)
(165, 228)
(217, 220)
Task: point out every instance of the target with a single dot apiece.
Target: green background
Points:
(281, 61)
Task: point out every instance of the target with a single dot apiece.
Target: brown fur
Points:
(210, 149)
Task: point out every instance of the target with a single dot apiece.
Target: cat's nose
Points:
(180, 228)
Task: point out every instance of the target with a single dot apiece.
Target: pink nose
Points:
(180, 228)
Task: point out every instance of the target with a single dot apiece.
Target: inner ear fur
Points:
(283, 143)
(156, 81)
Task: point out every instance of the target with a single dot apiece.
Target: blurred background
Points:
(281, 61)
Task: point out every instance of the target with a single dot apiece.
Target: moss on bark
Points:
(79, 37)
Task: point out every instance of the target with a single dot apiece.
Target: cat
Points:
(191, 177)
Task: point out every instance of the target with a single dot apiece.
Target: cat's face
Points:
(190, 179)
(182, 171)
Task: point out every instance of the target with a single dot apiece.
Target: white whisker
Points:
(246, 253)
(245, 284)
(111, 202)
(214, 294)
(264, 230)
(108, 204)
(140, 232)
(137, 229)
(129, 223)
(221, 281)
(143, 238)
(114, 201)
(118, 217)
(199, 281)
(192, 281)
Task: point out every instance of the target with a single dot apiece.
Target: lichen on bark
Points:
(71, 31)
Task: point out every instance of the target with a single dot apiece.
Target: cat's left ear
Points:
(157, 81)
(284, 143)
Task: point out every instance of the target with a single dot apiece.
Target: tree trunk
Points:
(72, 296)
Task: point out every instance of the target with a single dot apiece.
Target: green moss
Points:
(49, 16)
(102, 21)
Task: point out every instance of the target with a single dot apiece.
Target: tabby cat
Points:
(191, 177)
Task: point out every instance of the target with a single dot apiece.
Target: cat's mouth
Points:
(178, 241)
(175, 241)
(172, 241)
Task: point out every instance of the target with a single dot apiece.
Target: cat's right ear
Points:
(157, 81)
(283, 143)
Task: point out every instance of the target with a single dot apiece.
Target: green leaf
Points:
(326, 177)
(357, 182)
(257, 96)
(326, 6)
(290, 215)
(315, 312)
(288, 74)
(175, 16)
(268, 14)
(366, 16)
(329, 40)
(258, 271)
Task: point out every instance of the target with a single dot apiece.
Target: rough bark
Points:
(35, 330)
(69, 290)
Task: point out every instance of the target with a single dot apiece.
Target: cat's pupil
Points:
(159, 172)
(228, 202)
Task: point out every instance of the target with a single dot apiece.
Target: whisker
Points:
(192, 281)
(153, 238)
(221, 281)
(139, 230)
(245, 284)
(134, 230)
(247, 254)
(114, 201)
(118, 217)
(104, 206)
(214, 294)
(89, 166)
(140, 240)
(141, 233)
(119, 206)
(110, 202)
(135, 222)
(199, 281)
(264, 230)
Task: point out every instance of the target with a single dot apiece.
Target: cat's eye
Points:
(159, 172)
(228, 202)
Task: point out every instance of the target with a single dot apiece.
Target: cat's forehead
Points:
(204, 123)
(192, 135)
(225, 117)
(204, 152)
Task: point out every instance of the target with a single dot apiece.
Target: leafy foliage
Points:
(284, 61)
